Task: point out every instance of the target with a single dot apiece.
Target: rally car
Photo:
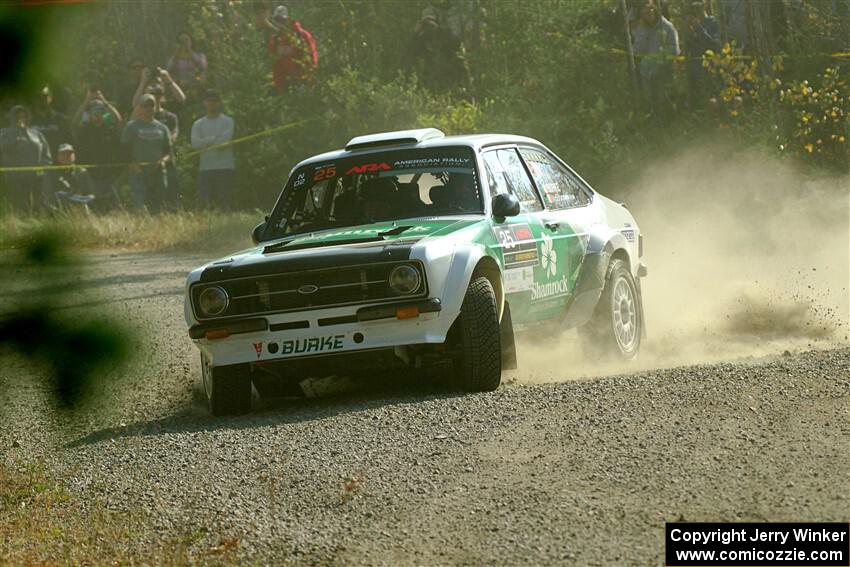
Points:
(411, 249)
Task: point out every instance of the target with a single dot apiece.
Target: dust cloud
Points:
(746, 256)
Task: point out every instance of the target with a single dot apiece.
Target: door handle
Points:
(552, 225)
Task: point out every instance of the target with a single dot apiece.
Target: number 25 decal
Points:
(325, 173)
(506, 239)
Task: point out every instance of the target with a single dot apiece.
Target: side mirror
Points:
(505, 205)
(257, 233)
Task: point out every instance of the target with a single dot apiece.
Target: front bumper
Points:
(323, 332)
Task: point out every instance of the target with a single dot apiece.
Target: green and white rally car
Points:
(410, 249)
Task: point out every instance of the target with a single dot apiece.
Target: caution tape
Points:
(247, 138)
(666, 56)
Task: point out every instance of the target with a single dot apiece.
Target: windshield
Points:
(380, 186)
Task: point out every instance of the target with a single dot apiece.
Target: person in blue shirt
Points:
(147, 142)
(656, 45)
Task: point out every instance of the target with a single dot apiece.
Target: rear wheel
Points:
(616, 327)
(227, 388)
(478, 367)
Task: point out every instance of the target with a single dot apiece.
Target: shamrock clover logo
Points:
(550, 257)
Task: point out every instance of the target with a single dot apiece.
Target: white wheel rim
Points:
(624, 315)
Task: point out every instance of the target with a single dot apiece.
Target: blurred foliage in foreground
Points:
(38, 320)
(552, 69)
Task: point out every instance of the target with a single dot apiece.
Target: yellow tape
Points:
(618, 51)
(255, 135)
(245, 138)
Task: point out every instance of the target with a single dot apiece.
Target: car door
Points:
(528, 254)
(566, 217)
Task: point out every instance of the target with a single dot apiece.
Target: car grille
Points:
(315, 289)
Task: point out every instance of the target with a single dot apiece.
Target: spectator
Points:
(436, 54)
(172, 121)
(701, 34)
(656, 42)
(292, 49)
(217, 169)
(45, 119)
(189, 67)
(735, 14)
(97, 126)
(465, 20)
(161, 113)
(148, 145)
(127, 90)
(23, 146)
(69, 185)
(161, 78)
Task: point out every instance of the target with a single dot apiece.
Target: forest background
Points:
(556, 70)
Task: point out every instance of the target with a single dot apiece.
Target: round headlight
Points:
(405, 279)
(213, 301)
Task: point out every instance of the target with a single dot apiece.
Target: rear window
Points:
(378, 186)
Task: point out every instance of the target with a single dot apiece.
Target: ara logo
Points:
(368, 168)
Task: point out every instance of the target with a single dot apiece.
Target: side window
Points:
(507, 175)
(560, 187)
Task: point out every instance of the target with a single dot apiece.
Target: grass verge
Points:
(187, 230)
(41, 523)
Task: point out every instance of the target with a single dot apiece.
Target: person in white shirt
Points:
(217, 172)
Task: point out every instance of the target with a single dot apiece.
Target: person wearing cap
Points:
(47, 120)
(701, 34)
(216, 176)
(97, 133)
(71, 185)
(23, 146)
(436, 54)
(656, 44)
(292, 49)
(147, 143)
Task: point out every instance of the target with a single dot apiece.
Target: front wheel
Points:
(616, 326)
(478, 367)
(227, 388)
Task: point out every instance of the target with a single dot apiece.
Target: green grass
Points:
(129, 230)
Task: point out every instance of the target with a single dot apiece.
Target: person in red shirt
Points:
(292, 49)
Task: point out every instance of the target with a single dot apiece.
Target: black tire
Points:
(479, 367)
(615, 329)
(227, 389)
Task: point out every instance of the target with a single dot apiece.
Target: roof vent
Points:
(394, 138)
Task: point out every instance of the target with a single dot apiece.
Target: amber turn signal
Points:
(407, 312)
(217, 334)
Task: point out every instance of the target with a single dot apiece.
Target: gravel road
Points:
(580, 472)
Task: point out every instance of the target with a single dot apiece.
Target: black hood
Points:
(257, 263)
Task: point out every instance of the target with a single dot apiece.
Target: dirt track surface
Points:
(579, 472)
